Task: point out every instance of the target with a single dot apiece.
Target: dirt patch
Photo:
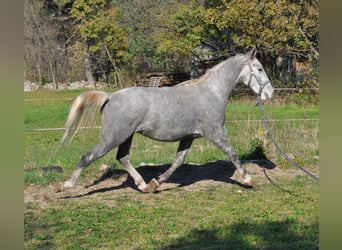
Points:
(191, 177)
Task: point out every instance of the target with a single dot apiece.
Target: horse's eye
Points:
(260, 69)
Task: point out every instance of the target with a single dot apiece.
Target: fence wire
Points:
(296, 135)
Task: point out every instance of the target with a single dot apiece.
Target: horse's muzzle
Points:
(267, 92)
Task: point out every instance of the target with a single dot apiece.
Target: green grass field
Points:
(281, 213)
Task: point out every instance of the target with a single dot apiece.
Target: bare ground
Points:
(190, 177)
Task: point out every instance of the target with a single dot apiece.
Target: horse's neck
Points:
(223, 82)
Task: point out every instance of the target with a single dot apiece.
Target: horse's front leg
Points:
(182, 151)
(221, 142)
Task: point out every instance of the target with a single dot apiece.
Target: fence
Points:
(227, 122)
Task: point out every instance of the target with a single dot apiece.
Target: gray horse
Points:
(189, 110)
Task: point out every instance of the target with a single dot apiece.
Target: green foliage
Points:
(238, 24)
(98, 25)
(127, 38)
(306, 96)
(256, 151)
(137, 18)
(184, 29)
(266, 24)
(276, 28)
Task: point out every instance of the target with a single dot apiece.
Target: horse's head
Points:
(254, 76)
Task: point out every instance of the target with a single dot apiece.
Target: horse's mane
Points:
(208, 73)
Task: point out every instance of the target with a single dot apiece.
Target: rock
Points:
(30, 86)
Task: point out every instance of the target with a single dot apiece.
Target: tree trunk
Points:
(88, 70)
(117, 78)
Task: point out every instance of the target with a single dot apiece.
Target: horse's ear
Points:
(252, 53)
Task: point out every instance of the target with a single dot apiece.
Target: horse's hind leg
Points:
(123, 157)
(223, 144)
(182, 151)
(98, 151)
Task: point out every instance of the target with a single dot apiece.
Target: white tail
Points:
(85, 108)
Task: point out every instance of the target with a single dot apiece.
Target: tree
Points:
(39, 50)
(64, 39)
(48, 36)
(279, 28)
(181, 29)
(102, 36)
(272, 25)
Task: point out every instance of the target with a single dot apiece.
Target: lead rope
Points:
(285, 156)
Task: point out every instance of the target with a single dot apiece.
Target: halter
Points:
(262, 85)
(283, 154)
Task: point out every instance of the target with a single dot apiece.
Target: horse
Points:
(189, 110)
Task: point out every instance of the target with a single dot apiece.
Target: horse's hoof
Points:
(151, 187)
(249, 183)
(154, 184)
(58, 187)
(248, 180)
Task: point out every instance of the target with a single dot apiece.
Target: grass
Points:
(214, 218)
(283, 215)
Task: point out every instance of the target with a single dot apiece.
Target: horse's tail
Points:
(84, 109)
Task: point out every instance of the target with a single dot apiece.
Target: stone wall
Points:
(31, 86)
(167, 79)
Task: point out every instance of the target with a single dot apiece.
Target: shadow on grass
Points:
(185, 175)
(266, 235)
(258, 156)
(188, 174)
(220, 170)
(36, 235)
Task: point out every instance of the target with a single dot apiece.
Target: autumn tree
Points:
(279, 29)
(66, 40)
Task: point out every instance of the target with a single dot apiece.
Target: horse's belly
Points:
(169, 124)
(169, 135)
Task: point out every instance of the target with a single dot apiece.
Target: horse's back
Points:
(165, 99)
